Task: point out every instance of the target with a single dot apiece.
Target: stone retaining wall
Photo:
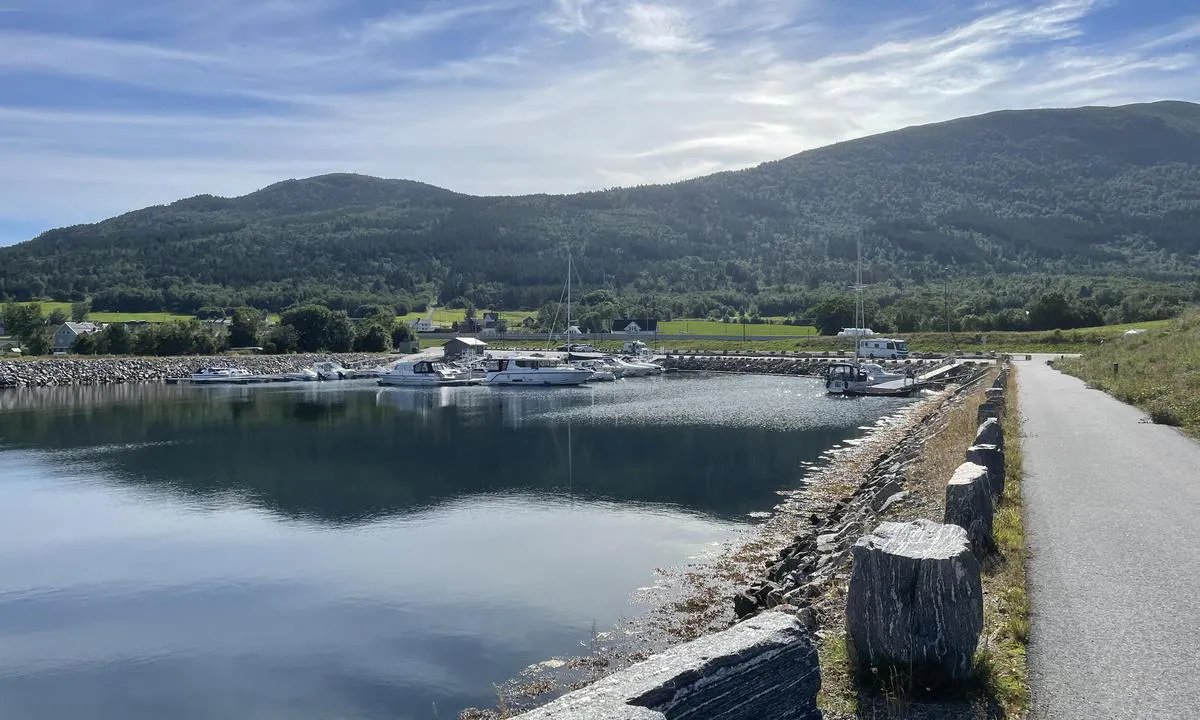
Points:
(762, 668)
(52, 371)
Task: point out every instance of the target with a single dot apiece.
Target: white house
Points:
(67, 333)
(423, 325)
(634, 327)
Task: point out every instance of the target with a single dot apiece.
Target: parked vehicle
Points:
(888, 348)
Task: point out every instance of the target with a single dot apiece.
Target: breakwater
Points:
(57, 371)
(799, 366)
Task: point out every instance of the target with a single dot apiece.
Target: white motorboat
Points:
(530, 370)
(306, 375)
(426, 373)
(627, 368)
(879, 375)
(649, 367)
(600, 373)
(220, 375)
(330, 371)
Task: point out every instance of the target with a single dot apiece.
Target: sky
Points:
(108, 106)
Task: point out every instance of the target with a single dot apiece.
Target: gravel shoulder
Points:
(1112, 516)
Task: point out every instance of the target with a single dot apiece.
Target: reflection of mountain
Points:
(346, 456)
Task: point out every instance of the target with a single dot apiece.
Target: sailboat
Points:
(854, 378)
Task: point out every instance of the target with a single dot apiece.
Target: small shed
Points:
(461, 346)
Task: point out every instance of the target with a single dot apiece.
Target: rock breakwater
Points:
(806, 367)
(57, 371)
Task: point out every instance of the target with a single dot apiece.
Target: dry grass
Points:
(1001, 663)
(1159, 371)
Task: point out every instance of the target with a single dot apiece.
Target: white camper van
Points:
(889, 348)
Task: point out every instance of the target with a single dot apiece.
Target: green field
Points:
(445, 317)
(49, 306)
(714, 327)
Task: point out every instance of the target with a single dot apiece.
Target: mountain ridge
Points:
(1106, 190)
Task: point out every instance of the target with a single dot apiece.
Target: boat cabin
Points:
(850, 372)
(531, 363)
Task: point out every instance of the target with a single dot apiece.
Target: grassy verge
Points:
(1000, 674)
(1001, 664)
(1158, 371)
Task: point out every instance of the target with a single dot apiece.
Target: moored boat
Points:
(220, 375)
(530, 370)
(426, 373)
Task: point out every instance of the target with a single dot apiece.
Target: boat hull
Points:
(540, 377)
(423, 382)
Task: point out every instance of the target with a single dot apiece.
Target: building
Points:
(67, 333)
(423, 325)
(628, 326)
(491, 320)
(529, 323)
(461, 346)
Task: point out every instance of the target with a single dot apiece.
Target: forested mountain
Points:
(1089, 192)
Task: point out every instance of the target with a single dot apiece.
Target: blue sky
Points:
(111, 105)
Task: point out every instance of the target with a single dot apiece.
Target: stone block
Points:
(765, 667)
(969, 505)
(915, 603)
(989, 409)
(990, 432)
(992, 458)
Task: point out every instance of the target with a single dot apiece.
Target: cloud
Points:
(659, 29)
(525, 95)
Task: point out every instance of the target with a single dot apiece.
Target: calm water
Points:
(347, 551)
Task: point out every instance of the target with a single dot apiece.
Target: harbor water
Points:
(341, 550)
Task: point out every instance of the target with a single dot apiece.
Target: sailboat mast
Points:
(860, 311)
(568, 296)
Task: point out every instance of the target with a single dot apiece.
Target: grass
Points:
(999, 675)
(151, 317)
(714, 327)
(445, 317)
(1001, 665)
(1158, 371)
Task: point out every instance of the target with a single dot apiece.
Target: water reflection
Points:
(339, 550)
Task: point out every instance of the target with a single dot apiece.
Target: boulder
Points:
(765, 667)
(990, 432)
(989, 409)
(969, 505)
(992, 458)
(915, 603)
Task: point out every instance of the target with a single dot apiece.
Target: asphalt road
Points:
(1113, 522)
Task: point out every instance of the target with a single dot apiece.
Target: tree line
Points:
(306, 328)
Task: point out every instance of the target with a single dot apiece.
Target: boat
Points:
(330, 371)
(530, 370)
(650, 367)
(600, 372)
(856, 377)
(306, 375)
(426, 373)
(220, 375)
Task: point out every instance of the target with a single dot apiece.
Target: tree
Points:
(1050, 312)
(57, 318)
(834, 314)
(340, 332)
(245, 327)
(80, 310)
(85, 344)
(115, 340)
(372, 338)
(282, 339)
(26, 323)
(311, 323)
(210, 313)
(402, 333)
(22, 321)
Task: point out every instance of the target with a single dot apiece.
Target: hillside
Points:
(1099, 191)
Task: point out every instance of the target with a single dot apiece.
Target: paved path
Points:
(1113, 520)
